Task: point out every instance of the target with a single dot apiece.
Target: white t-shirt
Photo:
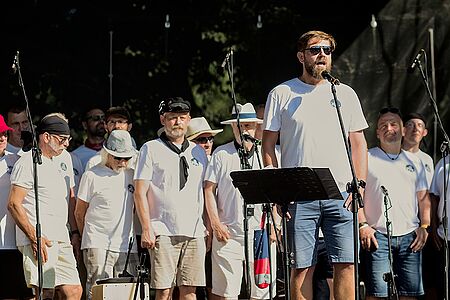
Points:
(403, 178)
(7, 224)
(310, 134)
(437, 188)
(84, 154)
(428, 164)
(109, 217)
(173, 212)
(230, 204)
(55, 178)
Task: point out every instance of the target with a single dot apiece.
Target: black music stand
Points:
(283, 186)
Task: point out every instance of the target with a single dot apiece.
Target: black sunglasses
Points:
(393, 110)
(316, 50)
(122, 158)
(96, 118)
(204, 140)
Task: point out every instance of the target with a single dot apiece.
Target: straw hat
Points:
(198, 126)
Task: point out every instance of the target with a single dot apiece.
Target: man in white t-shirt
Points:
(55, 180)
(225, 207)
(104, 211)
(302, 113)
(94, 124)
(16, 118)
(13, 285)
(415, 131)
(169, 202)
(396, 187)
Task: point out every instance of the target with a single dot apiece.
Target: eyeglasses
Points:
(121, 158)
(204, 140)
(316, 50)
(114, 122)
(62, 139)
(96, 118)
(393, 110)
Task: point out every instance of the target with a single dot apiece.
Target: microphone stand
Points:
(245, 165)
(444, 152)
(37, 159)
(389, 277)
(352, 187)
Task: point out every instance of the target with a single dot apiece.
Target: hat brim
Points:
(249, 120)
(194, 135)
(130, 153)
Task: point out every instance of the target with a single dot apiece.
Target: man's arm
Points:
(359, 153)
(16, 196)
(141, 204)
(220, 230)
(268, 145)
(80, 213)
(75, 234)
(424, 202)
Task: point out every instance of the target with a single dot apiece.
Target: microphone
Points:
(227, 57)
(326, 75)
(249, 138)
(416, 61)
(384, 190)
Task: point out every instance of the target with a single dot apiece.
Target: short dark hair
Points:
(390, 109)
(303, 40)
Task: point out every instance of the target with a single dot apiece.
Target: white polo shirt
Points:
(403, 178)
(7, 224)
(55, 178)
(437, 188)
(173, 212)
(310, 134)
(109, 217)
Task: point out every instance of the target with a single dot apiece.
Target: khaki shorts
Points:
(60, 269)
(177, 261)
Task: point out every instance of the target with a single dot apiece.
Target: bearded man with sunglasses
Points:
(302, 113)
(104, 211)
(55, 178)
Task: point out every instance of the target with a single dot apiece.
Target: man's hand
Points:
(367, 238)
(148, 240)
(44, 244)
(420, 240)
(221, 232)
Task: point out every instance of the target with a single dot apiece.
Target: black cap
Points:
(176, 104)
(118, 111)
(414, 115)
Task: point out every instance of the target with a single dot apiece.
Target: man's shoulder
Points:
(225, 149)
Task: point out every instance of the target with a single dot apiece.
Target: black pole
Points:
(37, 159)
(352, 187)
(444, 150)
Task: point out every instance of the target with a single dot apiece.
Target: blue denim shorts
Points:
(303, 231)
(407, 266)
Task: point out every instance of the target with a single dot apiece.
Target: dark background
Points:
(65, 61)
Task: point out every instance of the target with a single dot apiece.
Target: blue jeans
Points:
(303, 231)
(407, 266)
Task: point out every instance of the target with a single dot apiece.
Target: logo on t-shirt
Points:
(332, 103)
(63, 166)
(427, 167)
(10, 169)
(410, 168)
(195, 162)
(131, 188)
(75, 172)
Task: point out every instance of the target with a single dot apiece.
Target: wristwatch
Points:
(427, 227)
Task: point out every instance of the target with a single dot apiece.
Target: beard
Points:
(176, 132)
(316, 70)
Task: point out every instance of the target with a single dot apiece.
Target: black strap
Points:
(183, 164)
(249, 152)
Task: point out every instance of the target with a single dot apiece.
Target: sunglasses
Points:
(120, 122)
(96, 118)
(204, 140)
(122, 158)
(316, 50)
(61, 139)
(393, 110)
